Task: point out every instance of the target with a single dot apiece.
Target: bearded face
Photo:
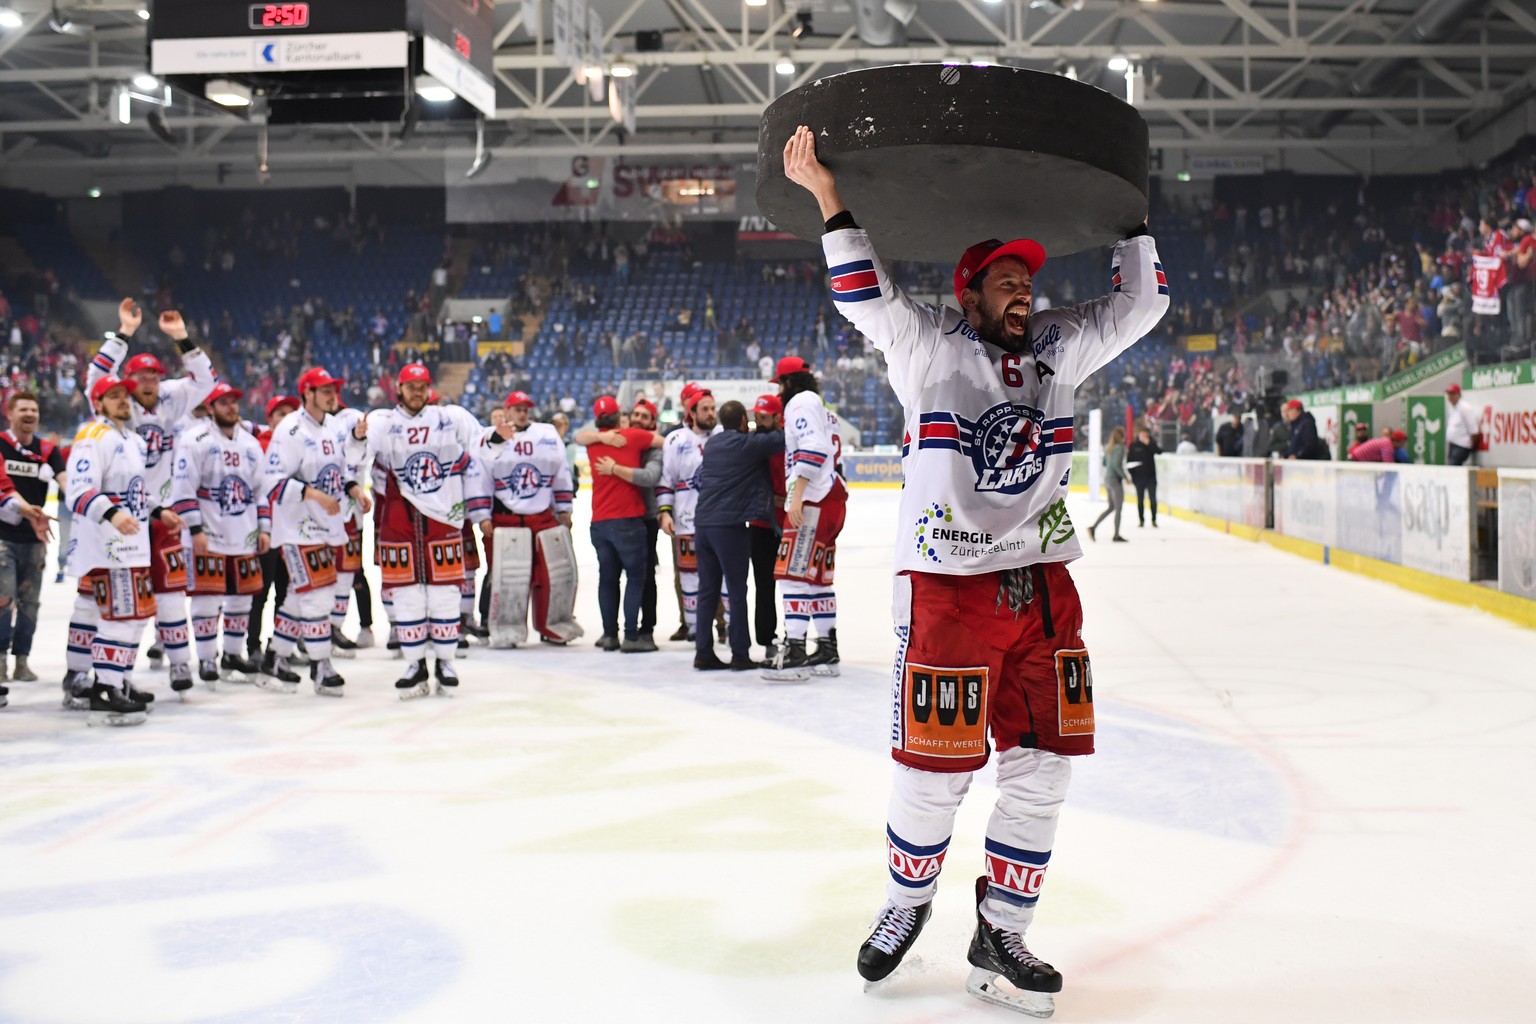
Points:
(999, 309)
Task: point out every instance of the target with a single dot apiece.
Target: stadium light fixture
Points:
(93, 192)
(143, 13)
(145, 82)
(226, 93)
(757, 3)
(621, 69)
(433, 91)
(802, 25)
(1118, 64)
(123, 106)
(9, 18)
(785, 66)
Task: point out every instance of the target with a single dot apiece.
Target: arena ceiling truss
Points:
(1366, 82)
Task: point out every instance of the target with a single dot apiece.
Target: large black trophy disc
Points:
(934, 158)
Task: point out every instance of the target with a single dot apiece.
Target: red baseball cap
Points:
(979, 255)
(317, 377)
(223, 390)
(276, 402)
(788, 365)
(606, 405)
(1454, 389)
(414, 372)
(1399, 435)
(107, 383)
(697, 395)
(517, 398)
(142, 361)
(1294, 403)
(769, 404)
(647, 405)
(688, 390)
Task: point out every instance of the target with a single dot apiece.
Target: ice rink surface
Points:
(1312, 802)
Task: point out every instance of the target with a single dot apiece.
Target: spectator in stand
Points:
(1114, 483)
(1229, 437)
(1304, 442)
(1521, 273)
(1390, 448)
(1141, 461)
(1461, 428)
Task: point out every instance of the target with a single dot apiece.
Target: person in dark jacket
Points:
(734, 489)
(1140, 460)
(1229, 437)
(1305, 444)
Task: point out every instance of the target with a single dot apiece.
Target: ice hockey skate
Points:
(208, 672)
(447, 680)
(4, 693)
(77, 691)
(824, 660)
(156, 655)
(111, 706)
(342, 646)
(999, 956)
(895, 930)
(417, 681)
(235, 669)
(276, 675)
(138, 696)
(181, 680)
(327, 682)
(791, 665)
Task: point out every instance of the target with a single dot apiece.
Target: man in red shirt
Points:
(768, 413)
(618, 527)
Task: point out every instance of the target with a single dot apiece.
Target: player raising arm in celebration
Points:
(987, 618)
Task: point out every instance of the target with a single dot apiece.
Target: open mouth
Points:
(1016, 318)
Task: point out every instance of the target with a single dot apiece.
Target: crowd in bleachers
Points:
(1340, 286)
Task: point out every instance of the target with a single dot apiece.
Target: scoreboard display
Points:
(222, 19)
(308, 49)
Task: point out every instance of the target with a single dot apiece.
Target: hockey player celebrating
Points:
(816, 502)
(534, 556)
(305, 484)
(677, 493)
(218, 466)
(349, 556)
(159, 408)
(429, 478)
(988, 619)
(110, 550)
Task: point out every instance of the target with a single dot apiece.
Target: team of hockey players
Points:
(188, 515)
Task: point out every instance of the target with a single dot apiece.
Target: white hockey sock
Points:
(115, 649)
(286, 631)
(82, 632)
(237, 623)
(171, 627)
(919, 822)
(205, 625)
(410, 605)
(690, 600)
(1031, 785)
(443, 620)
(822, 606)
(797, 607)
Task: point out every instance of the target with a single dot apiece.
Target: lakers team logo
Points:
(524, 481)
(235, 496)
(329, 479)
(423, 473)
(1006, 449)
(156, 443)
(136, 498)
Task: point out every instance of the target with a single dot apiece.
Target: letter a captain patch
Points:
(855, 282)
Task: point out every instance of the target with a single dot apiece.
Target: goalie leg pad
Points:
(512, 570)
(559, 554)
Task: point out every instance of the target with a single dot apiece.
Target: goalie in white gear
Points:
(529, 533)
(430, 479)
(218, 466)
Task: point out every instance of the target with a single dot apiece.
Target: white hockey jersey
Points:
(106, 471)
(682, 456)
(215, 487)
(529, 473)
(158, 427)
(812, 447)
(345, 420)
(303, 452)
(988, 444)
(428, 458)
